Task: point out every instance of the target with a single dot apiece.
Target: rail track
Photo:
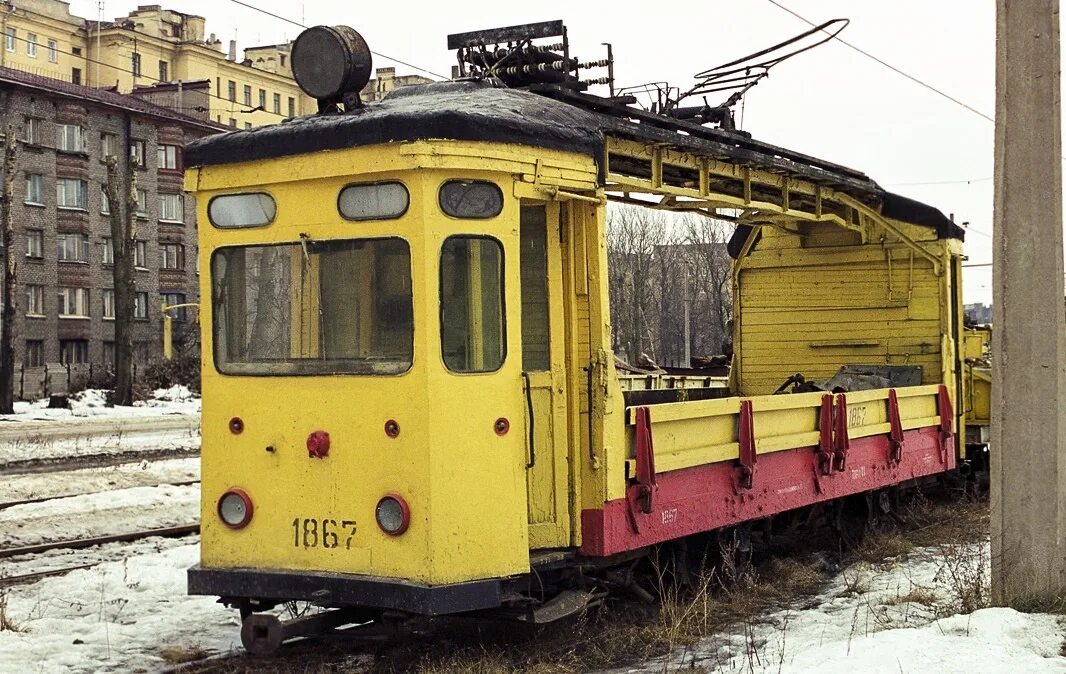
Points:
(81, 543)
(41, 499)
(53, 464)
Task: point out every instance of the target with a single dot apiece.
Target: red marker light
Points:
(501, 426)
(318, 445)
(236, 426)
(392, 429)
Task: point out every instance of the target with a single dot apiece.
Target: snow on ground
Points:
(93, 403)
(891, 617)
(73, 482)
(169, 419)
(116, 617)
(100, 514)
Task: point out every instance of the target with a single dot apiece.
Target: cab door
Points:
(543, 373)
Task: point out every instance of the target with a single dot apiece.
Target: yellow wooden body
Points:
(812, 297)
(830, 283)
(476, 509)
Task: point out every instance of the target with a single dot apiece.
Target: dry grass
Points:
(7, 624)
(916, 596)
(177, 655)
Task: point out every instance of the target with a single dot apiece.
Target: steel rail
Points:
(41, 499)
(77, 544)
(28, 578)
(100, 460)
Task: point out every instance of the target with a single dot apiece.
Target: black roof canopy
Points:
(549, 117)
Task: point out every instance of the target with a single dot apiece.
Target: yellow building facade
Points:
(150, 46)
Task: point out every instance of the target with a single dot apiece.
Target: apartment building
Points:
(149, 46)
(64, 252)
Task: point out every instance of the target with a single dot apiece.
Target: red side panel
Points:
(708, 497)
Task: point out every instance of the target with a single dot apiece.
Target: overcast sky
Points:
(831, 102)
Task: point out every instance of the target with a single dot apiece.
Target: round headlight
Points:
(235, 509)
(393, 515)
(329, 61)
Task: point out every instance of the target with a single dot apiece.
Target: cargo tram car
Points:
(411, 405)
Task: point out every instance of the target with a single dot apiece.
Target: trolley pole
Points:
(1029, 340)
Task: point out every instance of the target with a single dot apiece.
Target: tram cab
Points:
(383, 321)
(410, 399)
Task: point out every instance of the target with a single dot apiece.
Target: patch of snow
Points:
(115, 617)
(93, 403)
(74, 482)
(99, 514)
(897, 616)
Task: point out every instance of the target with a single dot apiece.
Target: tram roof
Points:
(546, 116)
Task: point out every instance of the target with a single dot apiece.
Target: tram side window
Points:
(471, 304)
(320, 307)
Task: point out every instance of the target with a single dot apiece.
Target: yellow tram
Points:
(410, 399)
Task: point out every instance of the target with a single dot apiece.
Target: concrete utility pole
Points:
(1029, 342)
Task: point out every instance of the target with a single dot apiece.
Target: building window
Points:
(232, 90)
(34, 300)
(109, 355)
(109, 251)
(32, 131)
(73, 351)
(34, 353)
(74, 302)
(248, 95)
(232, 123)
(108, 145)
(247, 126)
(168, 157)
(72, 247)
(172, 256)
(53, 51)
(139, 153)
(75, 75)
(171, 208)
(75, 51)
(35, 243)
(292, 106)
(35, 189)
(70, 138)
(31, 45)
(263, 98)
(164, 75)
(172, 299)
(107, 299)
(140, 254)
(136, 64)
(277, 103)
(72, 193)
(140, 305)
(142, 203)
(9, 38)
(105, 201)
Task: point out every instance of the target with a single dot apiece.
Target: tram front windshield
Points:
(313, 307)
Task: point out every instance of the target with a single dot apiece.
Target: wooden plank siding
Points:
(810, 307)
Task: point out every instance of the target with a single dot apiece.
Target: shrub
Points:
(183, 369)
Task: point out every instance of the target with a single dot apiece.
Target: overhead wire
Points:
(888, 65)
(375, 53)
(912, 78)
(966, 181)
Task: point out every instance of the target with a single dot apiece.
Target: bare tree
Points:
(659, 262)
(121, 191)
(7, 321)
